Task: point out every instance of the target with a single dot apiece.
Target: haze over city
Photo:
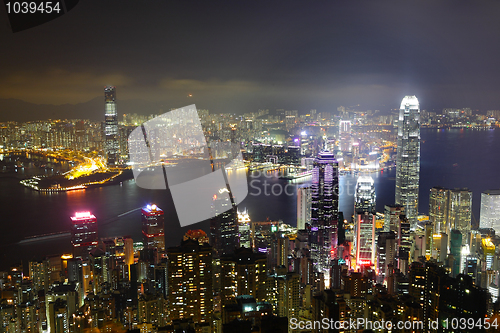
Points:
(251, 167)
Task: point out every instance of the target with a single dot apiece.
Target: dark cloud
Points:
(238, 56)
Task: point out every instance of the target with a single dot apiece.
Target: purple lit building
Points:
(324, 211)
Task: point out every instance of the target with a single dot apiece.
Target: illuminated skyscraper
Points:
(392, 214)
(83, 234)
(408, 157)
(244, 229)
(460, 212)
(153, 229)
(224, 226)
(438, 209)
(324, 210)
(451, 209)
(364, 205)
(112, 144)
(303, 207)
(190, 281)
(489, 216)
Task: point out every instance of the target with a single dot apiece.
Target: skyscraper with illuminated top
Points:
(83, 234)
(364, 206)
(224, 226)
(408, 157)
(112, 143)
(153, 228)
(324, 211)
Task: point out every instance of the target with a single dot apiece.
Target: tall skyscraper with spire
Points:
(408, 157)
(112, 143)
(324, 211)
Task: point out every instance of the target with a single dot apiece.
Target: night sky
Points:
(239, 56)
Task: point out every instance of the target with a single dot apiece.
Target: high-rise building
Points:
(112, 142)
(489, 216)
(324, 211)
(408, 157)
(153, 229)
(364, 205)
(303, 207)
(404, 244)
(425, 288)
(224, 226)
(190, 281)
(244, 228)
(451, 209)
(243, 273)
(460, 212)
(284, 293)
(386, 252)
(392, 215)
(438, 209)
(83, 234)
(455, 251)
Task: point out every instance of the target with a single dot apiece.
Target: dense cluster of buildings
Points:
(258, 276)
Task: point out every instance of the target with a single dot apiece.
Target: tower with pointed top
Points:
(408, 157)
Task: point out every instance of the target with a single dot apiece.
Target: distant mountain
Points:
(21, 111)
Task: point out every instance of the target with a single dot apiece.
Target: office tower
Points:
(408, 157)
(386, 253)
(243, 273)
(392, 215)
(112, 143)
(282, 249)
(364, 206)
(404, 244)
(153, 229)
(488, 252)
(324, 211)
(303, 207)
(451, 209)
(244, 228)
(456, 251)
(489, 216)
(460, 212)
(190, 281)
(438, 209)
(83, 234)
(224, 226)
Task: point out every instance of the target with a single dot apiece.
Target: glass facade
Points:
(324, 210)
(408, 157)
(112, 143)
